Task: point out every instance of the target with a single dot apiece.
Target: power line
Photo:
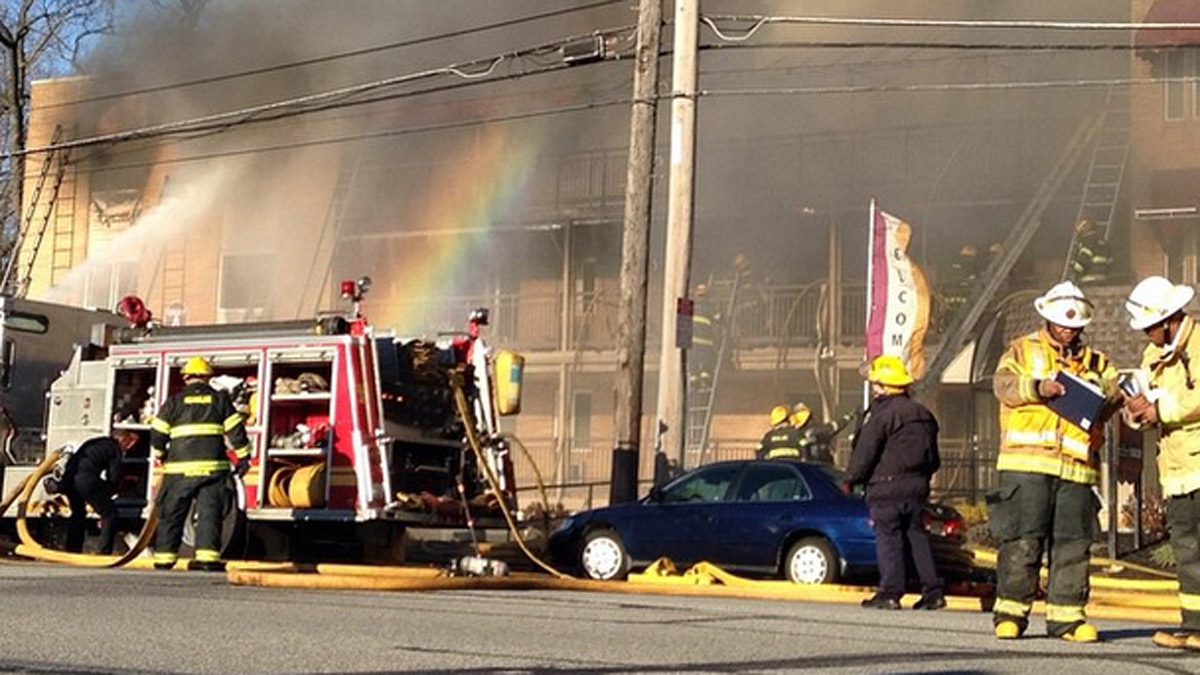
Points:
(963, 46)
(511, 117)
(481, 69)
(977, 86)
(441, 126)
(478, 69)
(757, 21)
(334, 57)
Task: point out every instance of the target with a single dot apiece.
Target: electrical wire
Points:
(475, 70)
(962, 86)
(757, 21)
(481, 69)
(441, 126)
(334, 57)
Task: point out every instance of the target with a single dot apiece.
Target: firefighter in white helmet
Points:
(1047, 467)
(188, 435)
(1171, 402)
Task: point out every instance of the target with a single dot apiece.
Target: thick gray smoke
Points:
(776, 168)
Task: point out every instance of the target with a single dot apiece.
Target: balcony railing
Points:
(768, 316)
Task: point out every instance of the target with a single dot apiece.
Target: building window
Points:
(581, 421)
(108, 283)
(245, 286)
(1175, 88)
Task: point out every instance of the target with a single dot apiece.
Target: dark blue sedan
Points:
(778, 518)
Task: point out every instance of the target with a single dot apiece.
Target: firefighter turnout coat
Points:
(1034, 438)
(1173, 381)
(195, 422)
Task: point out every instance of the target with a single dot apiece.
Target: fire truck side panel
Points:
(363, 401)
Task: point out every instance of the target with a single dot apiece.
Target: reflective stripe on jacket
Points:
(781, 441)
(189, 432)
(1178, 404)
(1034, 439)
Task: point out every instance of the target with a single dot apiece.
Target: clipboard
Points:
(1082, 403)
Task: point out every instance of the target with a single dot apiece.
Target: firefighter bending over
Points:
(91, 478)
(188, 436)
(1048, 467)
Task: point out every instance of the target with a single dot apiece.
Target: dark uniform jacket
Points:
(95, 457)
(782, 441)
(196, 421)
(896, 450)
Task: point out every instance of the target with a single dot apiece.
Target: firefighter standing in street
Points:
(895, 455)
(1171, 402)
(91, 478)
(1047, 469)
(188, 436)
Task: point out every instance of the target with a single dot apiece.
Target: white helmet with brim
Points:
(1155, 299)
(1065, 305)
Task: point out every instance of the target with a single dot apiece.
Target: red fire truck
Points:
(357, 435)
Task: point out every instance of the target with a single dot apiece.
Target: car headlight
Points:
(566, 524)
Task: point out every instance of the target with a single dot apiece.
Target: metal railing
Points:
(769, 316)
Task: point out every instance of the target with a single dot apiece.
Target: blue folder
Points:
(1081, 405)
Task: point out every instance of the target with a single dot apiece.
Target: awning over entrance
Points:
(1169, 11)
(1170, 193)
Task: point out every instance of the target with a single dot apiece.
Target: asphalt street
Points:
(56, 619)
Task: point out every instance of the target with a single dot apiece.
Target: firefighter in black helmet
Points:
(188, 436)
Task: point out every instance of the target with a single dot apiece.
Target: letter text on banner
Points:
(899, 297)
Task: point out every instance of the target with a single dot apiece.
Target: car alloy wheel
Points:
(603, 556)
(811, 561)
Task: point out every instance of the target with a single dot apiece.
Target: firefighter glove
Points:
(242, 467)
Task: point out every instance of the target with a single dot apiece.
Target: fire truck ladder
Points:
(18, 285)
(326, 243)
(1106, 172)
(963, 324)
(702, 393)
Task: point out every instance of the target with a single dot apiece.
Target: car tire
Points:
(603, 556)
(811, 561)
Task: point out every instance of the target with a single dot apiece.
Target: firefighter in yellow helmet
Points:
(188, 435)
(1047, 467)
(783, 438)
(895, 456)
(1168, 398)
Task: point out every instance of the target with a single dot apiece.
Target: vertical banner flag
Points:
(897, 295)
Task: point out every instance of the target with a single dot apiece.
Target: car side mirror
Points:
(656, 495)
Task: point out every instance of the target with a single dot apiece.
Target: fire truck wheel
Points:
(603, 556)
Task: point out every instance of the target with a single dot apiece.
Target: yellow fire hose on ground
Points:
(31, 548)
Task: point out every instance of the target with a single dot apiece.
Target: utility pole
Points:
(639, 183)
(678, 264)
